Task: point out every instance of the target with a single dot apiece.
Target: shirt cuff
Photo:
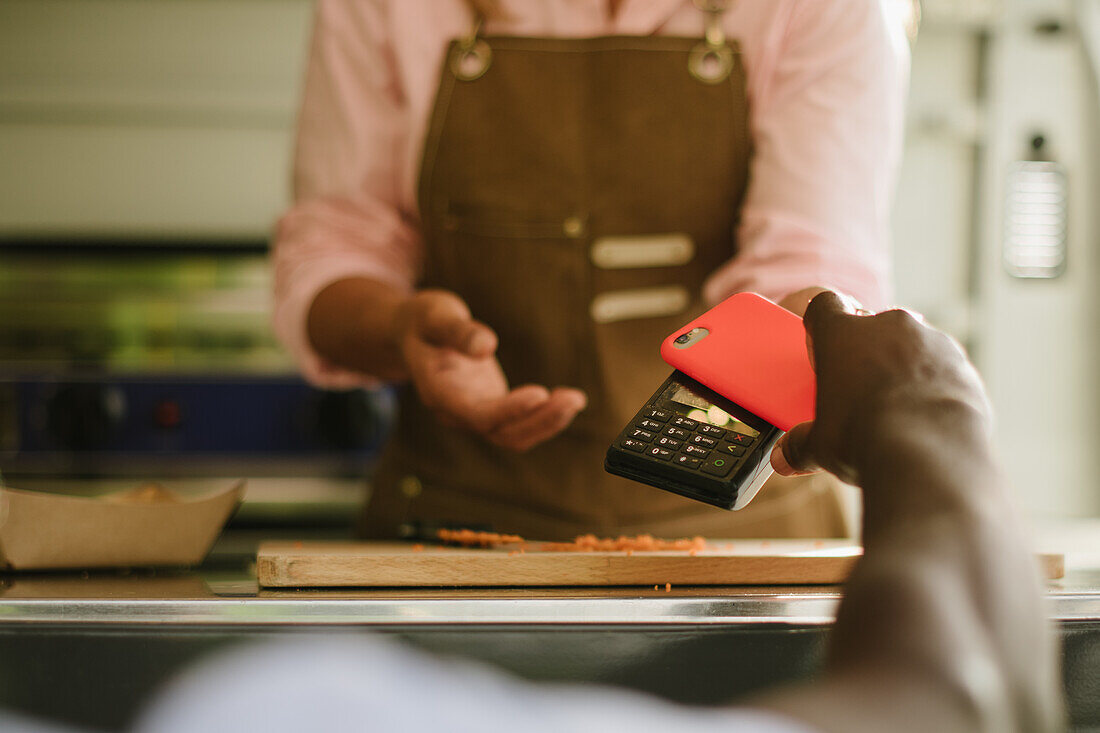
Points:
(291, 316)
(781, 274)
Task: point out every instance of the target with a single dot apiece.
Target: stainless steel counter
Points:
(110, 639)
(233, 599)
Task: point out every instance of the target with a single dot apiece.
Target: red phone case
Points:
(755, 355)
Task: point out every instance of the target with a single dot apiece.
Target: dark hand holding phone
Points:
(693, 441)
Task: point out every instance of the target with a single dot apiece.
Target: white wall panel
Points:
(115, 180)
(1039, 338)
(147, 116)
(933, 215)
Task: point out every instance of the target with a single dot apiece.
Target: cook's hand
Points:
(452, 361)
(867, 366)
(797, 301)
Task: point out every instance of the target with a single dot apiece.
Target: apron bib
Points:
(576, 193)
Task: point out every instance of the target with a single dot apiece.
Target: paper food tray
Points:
(145, 527)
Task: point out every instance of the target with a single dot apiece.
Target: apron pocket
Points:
(501, 222)
(656, 250)
(626, 305)
(528, 278)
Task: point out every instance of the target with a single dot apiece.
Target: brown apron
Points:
(576, 193)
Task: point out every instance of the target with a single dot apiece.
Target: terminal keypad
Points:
(687, 443)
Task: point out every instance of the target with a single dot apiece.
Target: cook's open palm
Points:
(452, 361)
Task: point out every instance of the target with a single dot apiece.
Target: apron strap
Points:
(471, 56)
(710, 61)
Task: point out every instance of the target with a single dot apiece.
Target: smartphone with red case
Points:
(742, 378)
(753, 352)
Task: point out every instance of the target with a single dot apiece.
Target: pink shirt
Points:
(826, 85)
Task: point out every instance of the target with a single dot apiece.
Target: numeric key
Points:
(666, 442)
(660, 453)
(657, 414)
(685, 423)
(677, 433)
(704, 441)
(712, 431)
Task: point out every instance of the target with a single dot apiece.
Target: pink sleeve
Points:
(827, 127)
(346, 220)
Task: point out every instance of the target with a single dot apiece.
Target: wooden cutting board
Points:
(401, 564)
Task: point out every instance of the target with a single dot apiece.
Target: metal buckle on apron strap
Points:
(472, 56)
(712, 60)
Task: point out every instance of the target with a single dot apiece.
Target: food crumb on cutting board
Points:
(581, 543)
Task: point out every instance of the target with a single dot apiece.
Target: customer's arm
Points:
(941, 629)
(942, 626)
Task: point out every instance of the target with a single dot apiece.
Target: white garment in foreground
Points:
(360, 684)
